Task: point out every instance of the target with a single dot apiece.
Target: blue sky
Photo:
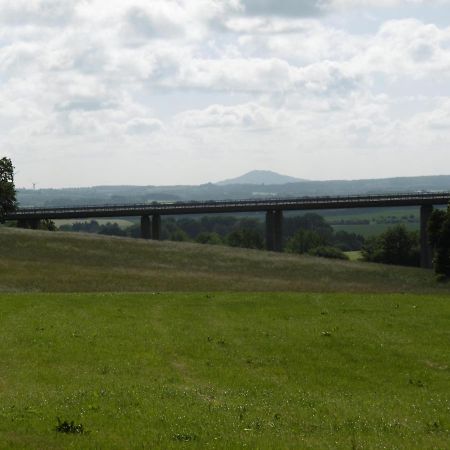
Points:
(186, 92)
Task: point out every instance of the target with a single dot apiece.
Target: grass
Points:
(354, 256)
(92, 368)
(39, 261)
(243, 370)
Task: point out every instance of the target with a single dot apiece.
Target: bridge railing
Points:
(269, 202)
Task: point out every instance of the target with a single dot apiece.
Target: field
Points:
(225, 371)
(178, 345)
(39, 261)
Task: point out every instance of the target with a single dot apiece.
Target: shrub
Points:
(395, 246)
(209, 238)
(328, 252)
(304, 240)
(245, 238)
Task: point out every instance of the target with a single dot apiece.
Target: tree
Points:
(439, 232)
(305, 240)
(347, 242)
(210, 238)
(396, 246)
(328, 252)
(8, 201)
(48, 225)
(246, 238)
(309, 221)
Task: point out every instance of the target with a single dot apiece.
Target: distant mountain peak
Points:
(261, 177)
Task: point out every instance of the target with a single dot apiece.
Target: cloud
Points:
(349, 4)
(246, 116)
(37, 12)
(282, 8)
(86, 104)
(202, 80)
(407, 48)
(139, 126)
(155, 22)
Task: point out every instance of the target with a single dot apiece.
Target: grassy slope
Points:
(64, 262)
(225, 370)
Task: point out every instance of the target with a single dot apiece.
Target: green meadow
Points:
(39, 261)
(110, 343)
(201, 370)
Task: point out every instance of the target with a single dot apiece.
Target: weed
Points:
(69, 427)
(184, 437)
(417, 383)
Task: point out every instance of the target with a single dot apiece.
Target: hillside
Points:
(65, 262)
(261, 177)
(209, 191)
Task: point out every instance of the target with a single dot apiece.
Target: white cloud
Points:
(245, 117)
(346, 4)
(210, 80)
(37, 12)
(143, 125)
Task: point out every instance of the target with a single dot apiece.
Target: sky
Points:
(113, 92)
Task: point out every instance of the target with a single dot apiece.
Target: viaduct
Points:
(151, 213)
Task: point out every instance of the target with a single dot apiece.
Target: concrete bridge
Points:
(151, 213)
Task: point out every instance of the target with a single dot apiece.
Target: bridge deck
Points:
(232, 206)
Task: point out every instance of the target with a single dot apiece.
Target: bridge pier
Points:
(269, 230)
(156, 227)
(274, 230)
(426, 253)
(278, 231)
(145, 227)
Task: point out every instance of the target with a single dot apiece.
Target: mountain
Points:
(99, 195)
(260, 177)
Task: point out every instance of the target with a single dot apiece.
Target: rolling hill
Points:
(260, 177)
(65, 262)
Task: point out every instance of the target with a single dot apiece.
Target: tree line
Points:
(309, 233)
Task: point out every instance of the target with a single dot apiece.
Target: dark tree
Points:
(439, 231)
(305, 240)
(246, 238)
(310, 222)
(328, 252)
(395, 246)
(8, 201)
(210, 238)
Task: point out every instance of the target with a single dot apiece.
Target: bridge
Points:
(151, 213)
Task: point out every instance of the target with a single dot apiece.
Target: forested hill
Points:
(209, 191)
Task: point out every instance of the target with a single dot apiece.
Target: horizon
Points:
(220, 181)
(181, 92)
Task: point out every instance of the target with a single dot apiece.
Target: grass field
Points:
(307, 353)
(40, 261)
(318, 371)
(354, 256)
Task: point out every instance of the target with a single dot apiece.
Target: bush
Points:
(246, 239)
(304, 240)
(395, 246)
(209, 238)
(439, 229)
(328, 252)
(179, 236)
